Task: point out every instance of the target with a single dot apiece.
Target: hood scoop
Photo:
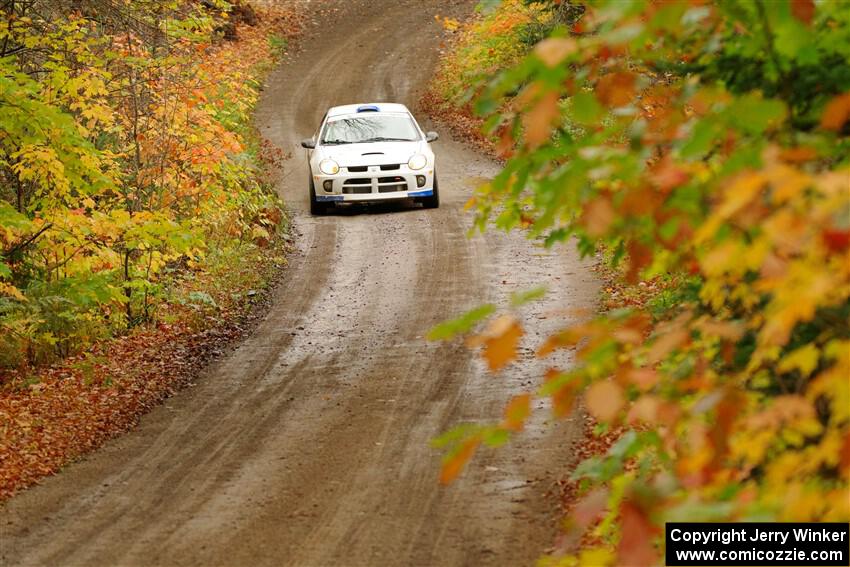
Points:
(373, 154)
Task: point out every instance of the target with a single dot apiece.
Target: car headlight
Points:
(417, 161)
(329, 167)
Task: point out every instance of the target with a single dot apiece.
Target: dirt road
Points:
(309, 444)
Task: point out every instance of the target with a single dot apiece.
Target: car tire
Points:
(433, 201)
(316, 208)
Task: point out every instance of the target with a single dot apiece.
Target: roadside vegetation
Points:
(137, 219)
(704, 150)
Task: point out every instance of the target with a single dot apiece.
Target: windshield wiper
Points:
(335, 142)
(382, 139)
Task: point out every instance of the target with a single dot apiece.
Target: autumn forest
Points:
(632, 308)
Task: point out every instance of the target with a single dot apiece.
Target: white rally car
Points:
(370, 152)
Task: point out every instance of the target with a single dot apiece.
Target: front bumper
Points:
(374, 183)
(372, 197)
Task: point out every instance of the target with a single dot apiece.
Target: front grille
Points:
(390, 167)
(357, 186)
(391, 184)
(364, 185)
(357, 190)
(357, 168)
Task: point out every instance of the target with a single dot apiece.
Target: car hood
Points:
(372, 153)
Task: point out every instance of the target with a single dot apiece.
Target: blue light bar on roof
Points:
(368, 108)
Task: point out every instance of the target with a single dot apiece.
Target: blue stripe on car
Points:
(425, 193)
(329, 197)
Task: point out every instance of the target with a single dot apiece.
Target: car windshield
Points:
(373, 127)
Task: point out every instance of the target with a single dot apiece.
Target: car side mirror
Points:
(308, 143)
(431, 137)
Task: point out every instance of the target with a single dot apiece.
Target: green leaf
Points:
(520, 298)
(495, 436)
(703, 137)
(463, 324)
(586, 109)
(456, 435)
(754, 114)
(10, 218)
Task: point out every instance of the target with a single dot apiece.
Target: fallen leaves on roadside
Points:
(59, 413)
(50, 416)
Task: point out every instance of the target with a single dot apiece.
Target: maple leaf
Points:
(645, 409)
(454, 463)
(500, 340)
(567, 338)
(836, 113)
(597, 216)
(667, 175)
(836, 240)
(553, 50)
(563, 395)
(727, 412)
(637, 534)
(604, 400)
(505, 145)
(590, 507)
(616, 89)
(640, 256)
(798, 154)
(804, 360)
(516, 412)
(803, 10)
(10, 290)
(540, 119)
(643, 378)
